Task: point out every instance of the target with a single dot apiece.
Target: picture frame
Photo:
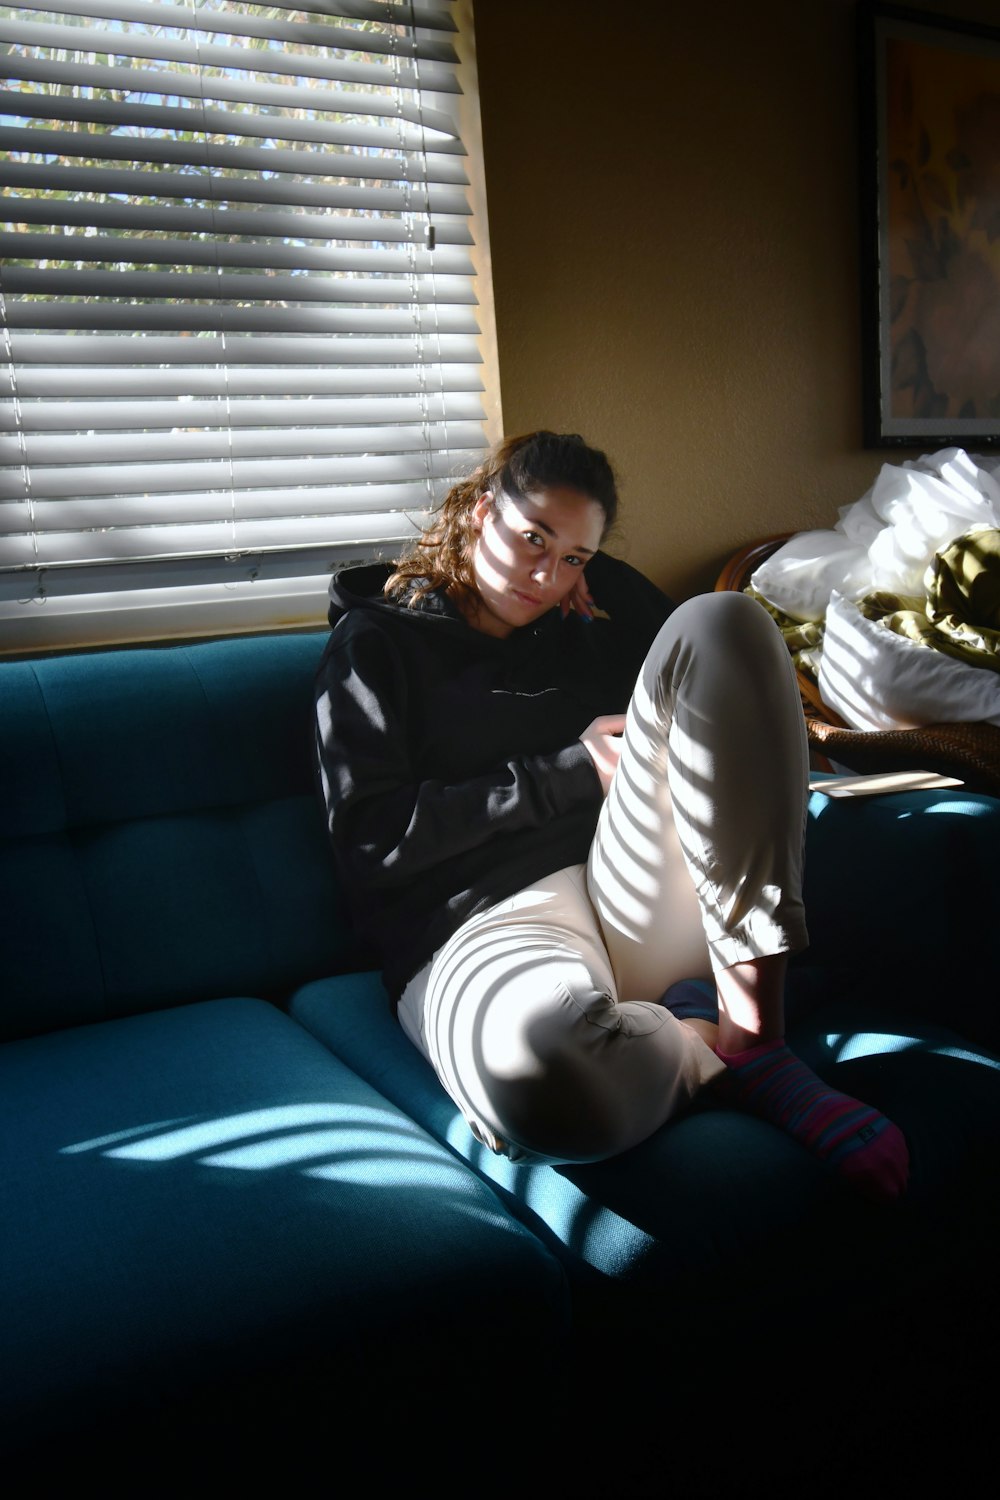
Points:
(930, 228)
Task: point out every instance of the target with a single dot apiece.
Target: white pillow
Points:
(925, 504)
(800, 576)
(860, 522)
(876, 679)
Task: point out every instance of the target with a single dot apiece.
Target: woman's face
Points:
(529, 554)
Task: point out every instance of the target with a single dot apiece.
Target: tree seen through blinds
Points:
(239, 306)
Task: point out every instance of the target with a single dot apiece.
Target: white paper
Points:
(882, 781)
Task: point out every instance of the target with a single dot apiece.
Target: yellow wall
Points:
(673, 208)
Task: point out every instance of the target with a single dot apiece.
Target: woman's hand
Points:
(578, 600)
(603, 742)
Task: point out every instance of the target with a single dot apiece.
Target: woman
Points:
(547, 813)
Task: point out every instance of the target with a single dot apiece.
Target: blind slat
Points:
(178, 218)
(142, 350)
(227, 477)
(417, 13)
(100, 417)
(184, 445)
(269, 25)
(167, 509)
(330, 162)
(162, 317)
(75, 382)
(89, 109)
(189, 286)
(199, 54)
(252, 253)
(225, 188)
(57, 550)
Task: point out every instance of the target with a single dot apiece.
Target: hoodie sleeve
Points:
(388, 827)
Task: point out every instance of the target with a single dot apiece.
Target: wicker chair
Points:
(968, 751)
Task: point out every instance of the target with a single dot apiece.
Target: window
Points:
(245, 323)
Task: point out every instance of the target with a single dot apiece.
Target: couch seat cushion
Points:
(198, 1197)
(717, 1197)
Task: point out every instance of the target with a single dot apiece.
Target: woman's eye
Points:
(534, 539)
(574, 562)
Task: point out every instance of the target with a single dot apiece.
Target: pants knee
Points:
(728, 623)
(546, 1088)
(722, 649)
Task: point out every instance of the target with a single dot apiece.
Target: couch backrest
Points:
(161, 840)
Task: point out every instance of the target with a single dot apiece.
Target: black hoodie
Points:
(450, 761)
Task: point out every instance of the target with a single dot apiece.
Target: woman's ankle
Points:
(751, 1002)
(707, 1030)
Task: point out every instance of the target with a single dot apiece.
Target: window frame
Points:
(44, 608)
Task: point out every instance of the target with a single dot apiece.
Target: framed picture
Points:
(930, 176)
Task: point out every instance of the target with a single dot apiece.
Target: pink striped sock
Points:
(856, 1141)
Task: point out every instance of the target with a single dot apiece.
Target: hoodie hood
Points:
(364, 588)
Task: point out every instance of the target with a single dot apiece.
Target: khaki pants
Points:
(539, 1015)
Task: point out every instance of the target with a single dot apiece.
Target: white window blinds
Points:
(243, 334)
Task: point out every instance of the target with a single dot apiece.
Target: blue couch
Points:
(240, 1216)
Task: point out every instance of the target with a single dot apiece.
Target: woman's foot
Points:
(857, 1142)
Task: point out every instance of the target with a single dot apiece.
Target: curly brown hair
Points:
(441, 558)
